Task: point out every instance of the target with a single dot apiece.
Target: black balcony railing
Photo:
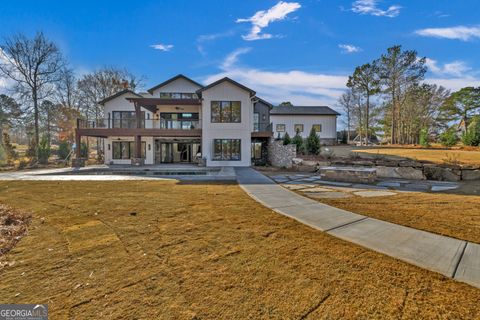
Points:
(262, 127)
(131, 123)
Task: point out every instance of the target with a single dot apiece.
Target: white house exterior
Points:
(301, 119)
(182, 121)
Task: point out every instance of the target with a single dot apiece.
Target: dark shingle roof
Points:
(179, 76)
(227, 79)
(304, 110)
(118, 94)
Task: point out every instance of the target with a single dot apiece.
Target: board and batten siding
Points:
(177, 86)
(226, 91)
(328, 122)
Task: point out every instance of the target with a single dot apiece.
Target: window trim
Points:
(222, 118)
(317, 124)
(221, 152)
(280, 124)
(295, 127)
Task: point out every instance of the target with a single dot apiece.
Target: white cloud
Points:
(463, 33)
(455, 68)
(232, 57)
(261, 19)
(455, 84)
(204, 38)
(349, 48)
(162, 47)
(299, 87)
(371, 7)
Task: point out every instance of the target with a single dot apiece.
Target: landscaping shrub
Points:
(449, 137)
(298, 141)
(286, 139)
(424, 138)
(63, 149)
(313, 143)
(44, 150)
(472, 136)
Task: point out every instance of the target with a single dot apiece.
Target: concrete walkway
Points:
(451, 257)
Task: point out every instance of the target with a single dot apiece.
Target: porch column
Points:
(78, 143)
(78, 161)
(138, 147)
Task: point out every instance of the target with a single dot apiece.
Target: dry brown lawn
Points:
(452, 215)
(149, 250)
(469, 157)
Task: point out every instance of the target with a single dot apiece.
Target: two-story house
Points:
(181, 121)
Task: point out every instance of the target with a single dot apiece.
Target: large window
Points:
(226, 149)
(226, 111)
(317, 128)
(178, 95)
(184, 121)
(126, 150)
(127, 119)
(280, 128)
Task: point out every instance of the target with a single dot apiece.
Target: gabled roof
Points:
(118, 94)
(179, 76)
(235, 83)
(265, 102)
(304, 110)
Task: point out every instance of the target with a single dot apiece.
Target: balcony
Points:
(147, 127)
(144, 124)
(262, 130)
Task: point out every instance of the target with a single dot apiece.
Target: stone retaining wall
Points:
(280, 155)
(407, 169)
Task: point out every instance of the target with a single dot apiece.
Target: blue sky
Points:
(300, 51)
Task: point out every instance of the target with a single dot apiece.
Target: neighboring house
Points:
(293, 119)
(181, 121)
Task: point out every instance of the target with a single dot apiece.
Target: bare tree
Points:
(66, 89)
(101, 84)
(347, 102)
(34, 65)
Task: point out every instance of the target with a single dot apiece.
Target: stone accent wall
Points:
(280, 155)
(406, 169)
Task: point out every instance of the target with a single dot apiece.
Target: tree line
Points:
(44, 96)
(388, 96)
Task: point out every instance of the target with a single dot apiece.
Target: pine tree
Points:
(286, 139)
(313, 143)
(298, 141)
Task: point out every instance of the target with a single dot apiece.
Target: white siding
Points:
(226, 91)
(329, 125)
(180, 86)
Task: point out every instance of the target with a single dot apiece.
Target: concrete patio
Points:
(451, 257)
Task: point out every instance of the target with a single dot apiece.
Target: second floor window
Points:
(256, 122)
(178, 95)
(226, 111)
(127, 119)
(280, 128)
